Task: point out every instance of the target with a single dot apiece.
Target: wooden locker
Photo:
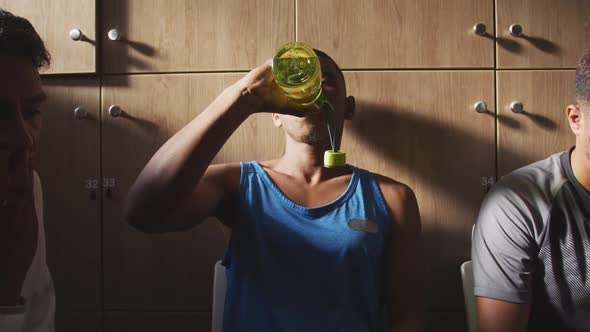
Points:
(199, 35)
(79, 321)
(53, 20)
(555, 33)
(421, 128)
(399, 33)
(542, 129)
(157, 321)
(69, 168)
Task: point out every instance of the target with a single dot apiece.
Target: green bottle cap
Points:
(334, 159)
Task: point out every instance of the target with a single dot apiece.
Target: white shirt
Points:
(37, 314)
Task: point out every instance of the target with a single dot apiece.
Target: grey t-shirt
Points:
(530, 245)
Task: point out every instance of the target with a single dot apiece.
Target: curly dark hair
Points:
(583, 79)
(19, 38)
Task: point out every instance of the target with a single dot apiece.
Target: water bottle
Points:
(297, 71)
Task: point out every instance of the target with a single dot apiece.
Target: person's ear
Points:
(276, 119)
(350, 108)
(574, 116)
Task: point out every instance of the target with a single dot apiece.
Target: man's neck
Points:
(306, 162)
(580, 161)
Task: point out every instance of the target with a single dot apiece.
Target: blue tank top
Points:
(291, 268)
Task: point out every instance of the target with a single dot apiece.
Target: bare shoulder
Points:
(226, 175)
(392, 188)
(400, 199)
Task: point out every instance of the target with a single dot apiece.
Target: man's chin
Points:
(310, 139)
(315, 139)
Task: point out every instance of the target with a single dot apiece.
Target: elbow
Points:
(141, 222)
(138, 216)
(146, 219)
(151, 214)
(136, 219)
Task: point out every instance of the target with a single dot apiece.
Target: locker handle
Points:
(517, 107)
(516, 30)
(480, 107)
(480, 29)
(80, 113)
(114, 35)
(115, 111)
(76, 34)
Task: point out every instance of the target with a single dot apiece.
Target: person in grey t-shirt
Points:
(531, 253)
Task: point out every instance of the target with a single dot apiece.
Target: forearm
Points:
(174, 171)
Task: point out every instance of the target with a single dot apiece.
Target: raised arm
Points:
(178, 188)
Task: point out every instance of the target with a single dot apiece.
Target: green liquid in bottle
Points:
(296, 69)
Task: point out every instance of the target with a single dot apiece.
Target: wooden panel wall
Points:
(415, 67)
